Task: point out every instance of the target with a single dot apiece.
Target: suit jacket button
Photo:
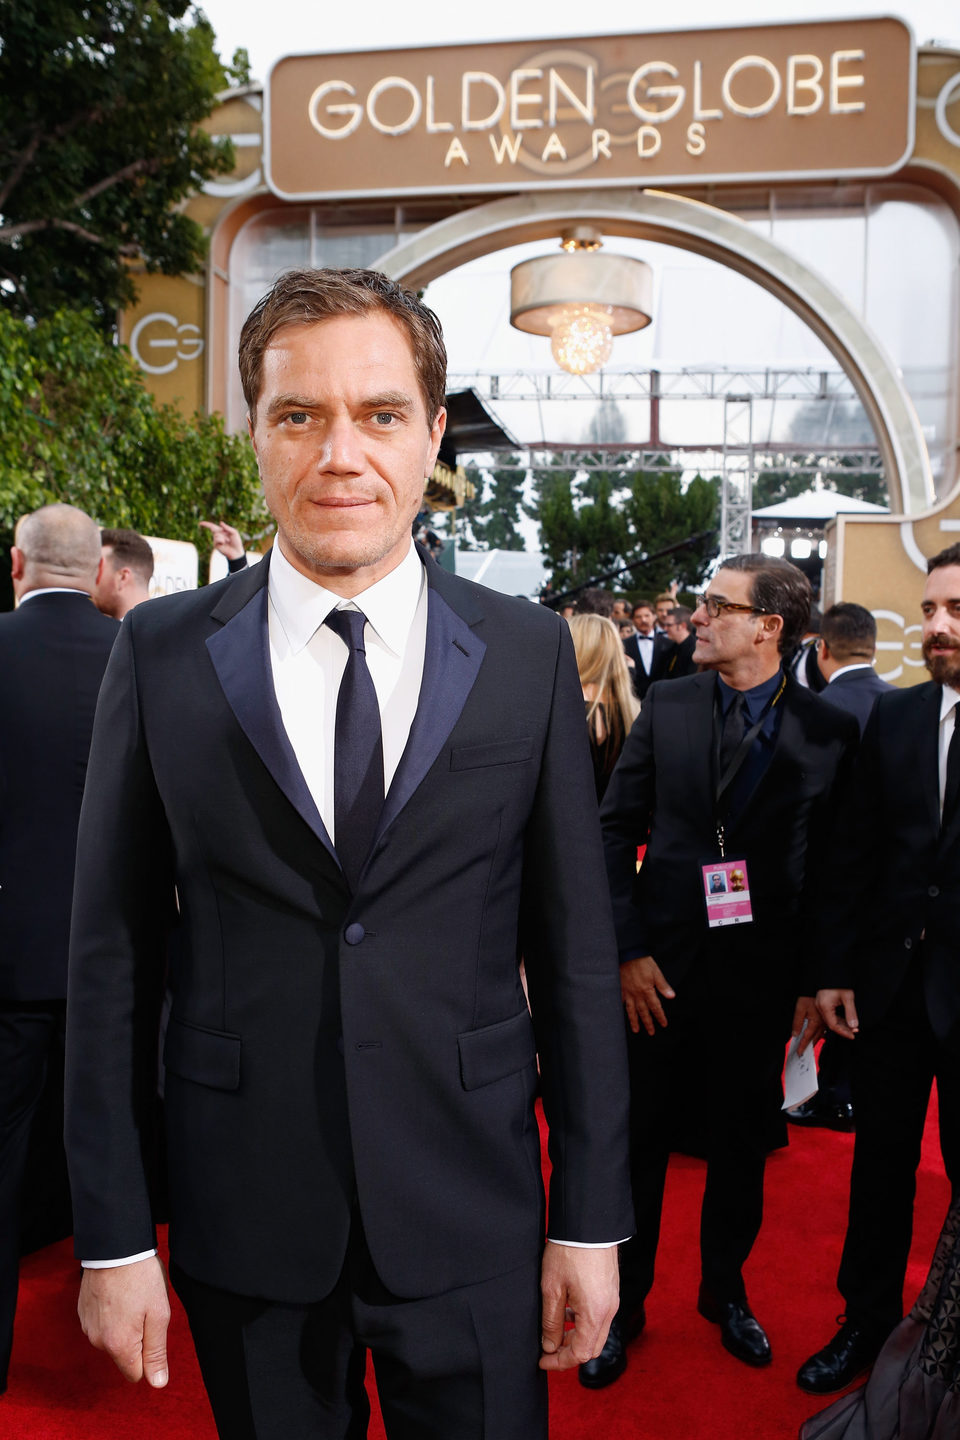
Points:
(908, 943)
(934, 891)
(354, 933)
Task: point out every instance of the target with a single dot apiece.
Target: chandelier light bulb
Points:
(582, 338)
(581, 298)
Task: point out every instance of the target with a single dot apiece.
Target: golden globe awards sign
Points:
(762, 103)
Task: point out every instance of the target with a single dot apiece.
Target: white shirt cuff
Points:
(589, 1244)
(112, 1264)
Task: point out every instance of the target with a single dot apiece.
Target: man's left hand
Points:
(807, 1010)
(585, 1283)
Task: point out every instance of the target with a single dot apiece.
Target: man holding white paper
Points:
(729, 775)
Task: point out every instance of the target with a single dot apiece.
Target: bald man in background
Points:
(53, 652)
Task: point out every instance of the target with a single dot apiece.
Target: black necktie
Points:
(731, 734)
(358, 752)
(951, 794)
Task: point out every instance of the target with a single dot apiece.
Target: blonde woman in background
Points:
(608, 694)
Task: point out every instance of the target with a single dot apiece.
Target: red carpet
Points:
(680, 1385)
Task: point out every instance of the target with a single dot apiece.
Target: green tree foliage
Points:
(78, 425)
(661, 513)
(595, 520)
(498, 515)
(100, 104)
(554, 507)
(489, 521)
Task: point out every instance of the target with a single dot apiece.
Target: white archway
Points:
(691, 225)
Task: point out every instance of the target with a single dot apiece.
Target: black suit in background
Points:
(890, 931)
(856, 691)
(641, 677)
(741, 980)
(348, 1075)
(53, 652)
(679, 660)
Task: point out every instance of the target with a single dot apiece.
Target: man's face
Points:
(106, 590)
(676, 630)
(344, 445)
(941, 625)
(619, 612)
(643, 619)
(732, 635)
(663, 610)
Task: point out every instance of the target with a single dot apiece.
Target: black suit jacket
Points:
(679, 660)
(856, 692)
(662, 795)
(894, 874)
(319, 1041)
(53, 652)
(662, 649)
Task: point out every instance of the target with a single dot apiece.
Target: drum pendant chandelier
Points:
(581, 299)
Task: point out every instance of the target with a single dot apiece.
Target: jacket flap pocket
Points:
(500, 752)
(496, 1051)
(209, 1057)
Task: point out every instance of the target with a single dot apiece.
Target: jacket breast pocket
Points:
(500, 752)
(208, 1057)
(496, 1051)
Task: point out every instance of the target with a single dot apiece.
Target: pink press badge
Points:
(726, 890)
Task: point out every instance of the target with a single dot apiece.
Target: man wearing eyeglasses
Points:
(731, 771)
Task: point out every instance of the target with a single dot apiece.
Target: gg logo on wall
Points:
(159, 335)
(166, 335)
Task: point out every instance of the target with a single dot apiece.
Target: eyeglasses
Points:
(713, 607)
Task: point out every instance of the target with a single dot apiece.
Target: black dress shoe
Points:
(610, 1364)
(740, 1332)
(826, 1116)
(851, 1351)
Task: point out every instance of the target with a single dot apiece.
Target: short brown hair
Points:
(130, 549)
(850, 631)
(950, 556)
(777, 588)
(304, 297)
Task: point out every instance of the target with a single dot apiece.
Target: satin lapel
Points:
(451, 664)
(240, 652)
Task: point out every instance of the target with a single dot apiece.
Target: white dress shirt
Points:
(54, 590)
(308, 660)
(645, 651)
(949, 699)
(846, 669)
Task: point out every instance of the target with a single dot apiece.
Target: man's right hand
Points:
(125, 1311)
(839, 1012)
(641, 985)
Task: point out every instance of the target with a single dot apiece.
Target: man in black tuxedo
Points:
(731, 772)
(845, 656)
(370, 783)
(648, 648)
(53, 652)
(891, 973)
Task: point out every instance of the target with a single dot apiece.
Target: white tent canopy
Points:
(817, 505)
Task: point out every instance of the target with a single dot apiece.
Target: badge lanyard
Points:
(738, 759)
